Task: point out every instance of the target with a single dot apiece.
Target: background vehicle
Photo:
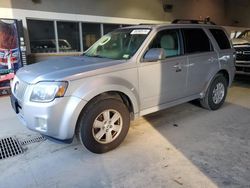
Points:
(41, 46)
(242, 47)
(128, 73)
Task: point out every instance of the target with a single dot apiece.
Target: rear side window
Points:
(196, 41)
(221, 38)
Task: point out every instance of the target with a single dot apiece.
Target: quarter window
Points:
(169, 41)
(196, 41)
(220, 38)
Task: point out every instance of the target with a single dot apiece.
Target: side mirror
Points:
(154, 54)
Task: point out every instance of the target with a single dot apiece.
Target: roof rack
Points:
(187, 21)
(147, 24)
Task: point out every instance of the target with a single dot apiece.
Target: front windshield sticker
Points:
(140, 32)
(105, 40)
(125, 56)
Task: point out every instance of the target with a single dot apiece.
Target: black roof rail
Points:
(187, 21)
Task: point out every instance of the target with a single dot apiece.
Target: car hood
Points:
(68, 68)
(238, 41)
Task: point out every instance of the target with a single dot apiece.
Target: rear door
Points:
(202, 59)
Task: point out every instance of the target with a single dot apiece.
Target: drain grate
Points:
(32, 139)
(9, 147)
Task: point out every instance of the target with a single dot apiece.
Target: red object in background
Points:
(14, 56)
(10, 53)
(8, 35)
(6, 77)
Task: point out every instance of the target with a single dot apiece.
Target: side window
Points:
(196, 41)
(245, 35)
(220, 38)
(168, 40)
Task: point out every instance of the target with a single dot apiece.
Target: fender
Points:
(202, 94)
(92, 87)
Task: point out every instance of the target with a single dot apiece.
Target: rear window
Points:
(196, 41)
(221, 38)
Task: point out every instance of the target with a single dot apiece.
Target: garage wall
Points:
(239, 13)
(223, 12)
(139, 9)
(199, 9)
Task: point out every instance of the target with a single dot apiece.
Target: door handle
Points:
(178, 67)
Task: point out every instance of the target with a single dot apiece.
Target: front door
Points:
(164, 80)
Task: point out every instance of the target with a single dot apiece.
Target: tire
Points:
(216, 93)
(103, 125)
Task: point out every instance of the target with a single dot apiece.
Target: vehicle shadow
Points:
(217, 142)
(242, 81)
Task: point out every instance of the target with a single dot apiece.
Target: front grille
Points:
(243, 69)
(242, 48)
(19, 88)
(9, 147)
(242, 53)
(242, 57)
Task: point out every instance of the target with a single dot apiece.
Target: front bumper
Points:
(56, 119)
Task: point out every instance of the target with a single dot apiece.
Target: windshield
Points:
(244, 35)
(119, 44)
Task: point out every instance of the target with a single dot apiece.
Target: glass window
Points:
(68, 36)
(196, 41)
(245, 34)
(91, 32)
(169, 41)
(120, 44)
(221, 38)
(42, 36)
(109, 27)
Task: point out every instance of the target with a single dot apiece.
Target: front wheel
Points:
(216, 93)
(103, 125)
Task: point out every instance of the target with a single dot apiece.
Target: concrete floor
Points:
(184, 146)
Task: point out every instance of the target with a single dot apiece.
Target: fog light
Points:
(41, 124)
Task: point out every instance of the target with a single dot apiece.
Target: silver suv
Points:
(128, 73)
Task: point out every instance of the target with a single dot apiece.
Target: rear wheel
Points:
(216, 93)
(103, 125)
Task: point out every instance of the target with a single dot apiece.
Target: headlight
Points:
(48, 91)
